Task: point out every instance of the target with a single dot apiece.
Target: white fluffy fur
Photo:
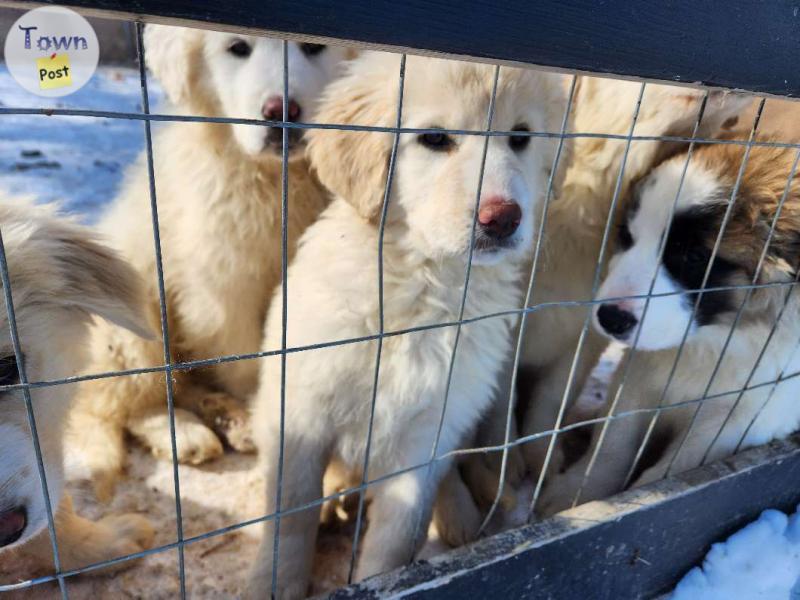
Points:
(60, 277)
(219, 198)
(333, 295)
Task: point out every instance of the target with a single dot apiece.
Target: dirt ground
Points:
(214, 496)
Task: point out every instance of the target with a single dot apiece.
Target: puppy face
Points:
(437, 175)
(690, 240)
(52, 349)
(241, 76)
(59, 278)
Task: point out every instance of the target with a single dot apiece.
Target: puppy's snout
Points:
(273, 109)
(499, 217)
(615, 321)
(12, 524)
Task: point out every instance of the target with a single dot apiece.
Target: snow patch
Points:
(760, 561)
(77, 161)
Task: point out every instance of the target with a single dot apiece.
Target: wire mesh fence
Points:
(550, 436)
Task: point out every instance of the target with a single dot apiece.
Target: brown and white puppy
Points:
(728, 419)
(333, 295)
(219, 190)
(61, 277)
(576, 223)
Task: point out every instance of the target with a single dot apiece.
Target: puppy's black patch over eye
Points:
(519, 142)
(9, 372)
(624, 237)
(312, 49)
(438, 142)
(687, 255)
(240, 49)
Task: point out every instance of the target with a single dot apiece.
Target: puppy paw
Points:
(515, 465)
(104, 483)
(83, 542)
(458, 525)
(133, 533)
(558, 494)
(484, 482)
(550, 504)
(229, 419)
(195, 442)
(455, 514)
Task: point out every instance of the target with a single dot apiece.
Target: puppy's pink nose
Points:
(499, 217)
(273, 109)
(12, 524)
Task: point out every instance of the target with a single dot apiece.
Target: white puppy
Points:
(219, 197)
(727, 419)
(60, 277)
(333, 295)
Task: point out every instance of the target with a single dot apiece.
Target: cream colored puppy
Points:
(333, 295)
(219, 197)
(60, 278)
(576, 222)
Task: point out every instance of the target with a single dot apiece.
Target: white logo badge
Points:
(51, 51)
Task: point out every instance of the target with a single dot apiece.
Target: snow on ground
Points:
(760, 561)
(75, 160)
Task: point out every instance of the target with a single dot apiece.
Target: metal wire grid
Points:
(169, 366)
(381, 327)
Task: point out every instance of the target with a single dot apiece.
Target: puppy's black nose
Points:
(615, 321)
(499, 217)
(12, 524)
(273, 109)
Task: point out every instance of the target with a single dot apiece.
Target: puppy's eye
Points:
(624, 237)
(519, 142)
(240, 49)
(312, 49)
(9, 373)
(438, 142)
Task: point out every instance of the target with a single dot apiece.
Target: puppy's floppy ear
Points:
(96, 281)
(354, 164)
(170, 55)
(555, 106)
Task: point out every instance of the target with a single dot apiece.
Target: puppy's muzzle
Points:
(12, 524)
(616, 321)
(274, 140)
(273, 111)
(499, 217)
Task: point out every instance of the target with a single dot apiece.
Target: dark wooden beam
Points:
(745, 44)
(636, 545)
